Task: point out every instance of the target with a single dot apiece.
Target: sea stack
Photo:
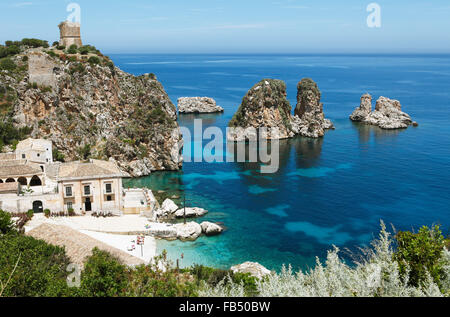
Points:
(309, 119)
(387, 114)
(264, 106)
(198, 105)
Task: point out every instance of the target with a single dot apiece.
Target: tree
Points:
(419, 254)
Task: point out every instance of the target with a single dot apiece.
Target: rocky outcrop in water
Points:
(309, 119)
(211, 229)
(90, 108)
(189, 231)
(198, 105)
(387, 114)
(190, 212)
(252, 268)
(266, 106)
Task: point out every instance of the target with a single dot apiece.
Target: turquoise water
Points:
(334, 190)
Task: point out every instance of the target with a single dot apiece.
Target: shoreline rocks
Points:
(211, 229)
(266, 112)
(191, 212)
(198, 105)
(253, 268)
(189, 231)
(170, 210)
(387, 115)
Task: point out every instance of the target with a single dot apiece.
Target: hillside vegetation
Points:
(407, 264)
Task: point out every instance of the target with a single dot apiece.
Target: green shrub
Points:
(84, 152)
(419, 254)
(94, 60)
(213, 277)
(83, 50)
(30, 213)
(61, 47)
(35, 43)
(57, 156)
(9, 134)
(47, 213)
(73, 49)
(7, 64)
(6, 224)
(41, 268)
(103, 276)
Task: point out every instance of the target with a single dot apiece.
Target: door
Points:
(38, 207)
(88, 205)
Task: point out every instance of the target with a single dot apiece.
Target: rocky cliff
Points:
(90, 108)
(387, 114)
(265, 106)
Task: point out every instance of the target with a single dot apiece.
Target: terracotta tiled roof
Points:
(7, 156)
(19, 169)
(94, 168)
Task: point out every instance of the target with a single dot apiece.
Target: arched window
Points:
(35, 181)
(23, 181)
(10, 180)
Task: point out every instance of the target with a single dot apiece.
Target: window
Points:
(108, 188)
(38, 155)
(69, 205)
(108, 198)
(69, 191)
(87, 190)
(23, 156)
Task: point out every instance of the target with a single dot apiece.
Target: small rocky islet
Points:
(387, 115)
(198, 105)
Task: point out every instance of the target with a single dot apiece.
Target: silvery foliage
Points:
(377, 274)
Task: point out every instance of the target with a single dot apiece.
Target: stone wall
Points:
(41, 70)
(15, 203)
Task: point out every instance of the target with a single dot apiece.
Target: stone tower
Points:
(70, 34)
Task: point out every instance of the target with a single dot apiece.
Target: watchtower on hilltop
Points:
(70, 34)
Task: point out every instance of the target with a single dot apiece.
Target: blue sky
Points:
(238, 26)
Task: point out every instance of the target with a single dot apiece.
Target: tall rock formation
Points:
(91, 109)
(264, 106)
(309, 119)
(387, 114)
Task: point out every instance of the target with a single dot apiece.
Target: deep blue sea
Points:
(331, 191)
